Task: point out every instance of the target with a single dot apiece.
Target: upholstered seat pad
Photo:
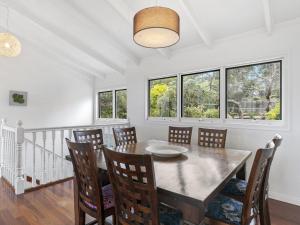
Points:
(235, 187)
(225, 209)
(108, 200)
(169, 216)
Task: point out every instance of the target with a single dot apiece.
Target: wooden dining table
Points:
(188, 182)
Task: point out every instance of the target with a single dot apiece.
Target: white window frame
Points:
(222, 122)
(113, 119)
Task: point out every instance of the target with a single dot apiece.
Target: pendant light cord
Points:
(7, 15)
(7, 18)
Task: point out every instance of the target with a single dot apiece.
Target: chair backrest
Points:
(86, 174)
(256, 183)
(277, 140)
(124, 136)
(181, 135)
(134, 189)
(212, 138)
(95, 137)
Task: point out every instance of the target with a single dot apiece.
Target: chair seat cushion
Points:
(169, 216)
(108, 200)
(235, 187)
(225, 209)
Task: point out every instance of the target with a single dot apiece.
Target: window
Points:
(200, 95)
(105, 100)
(254, 91)
(121, 104)
(163, 97)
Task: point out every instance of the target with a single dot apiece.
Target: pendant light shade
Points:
(10, 46)
(156, 27)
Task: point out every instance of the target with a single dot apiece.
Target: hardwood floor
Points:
(54, 206)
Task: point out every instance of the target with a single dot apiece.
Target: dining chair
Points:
(95, 137)
(236, 188)
(134, 189)
(90, 196)
(124, 136)
(212, 138)
(180, 135)
(230, 211)
(216, 138)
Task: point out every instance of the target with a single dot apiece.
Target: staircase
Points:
(33, 158)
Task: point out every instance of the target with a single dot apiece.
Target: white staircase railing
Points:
(33, 157)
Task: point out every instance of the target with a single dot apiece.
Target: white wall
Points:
(254, 46)
(57, 94)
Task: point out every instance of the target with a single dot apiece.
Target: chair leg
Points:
(81, 218)
(264, 214)
(114, 219)
(267, 212)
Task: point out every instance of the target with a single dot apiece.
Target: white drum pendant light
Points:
(156, 27)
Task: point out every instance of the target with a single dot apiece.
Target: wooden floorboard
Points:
(54, 206)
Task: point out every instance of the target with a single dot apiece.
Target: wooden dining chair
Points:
(226, 210)
(180, 135)
(124, 136)
(90, 197)
(135, 193)
(95, 137)
(236, 188)
(212, 138)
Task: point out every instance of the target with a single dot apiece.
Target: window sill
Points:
(110, 121)
(222, 123)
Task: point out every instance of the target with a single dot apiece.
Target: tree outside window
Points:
(201, 95)
(105, 100)
(163, 97)
(121, 104)
(254, 91)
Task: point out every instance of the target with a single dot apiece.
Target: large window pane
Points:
(121, 104)
(254, 91)
(201, 95)
(163, 97)
(105, 104)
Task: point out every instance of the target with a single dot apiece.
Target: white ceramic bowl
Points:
(165, 150)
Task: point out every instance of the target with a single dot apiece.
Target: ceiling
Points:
(95, 36)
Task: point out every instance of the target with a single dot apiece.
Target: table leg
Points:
(241, 174)
(191, 213)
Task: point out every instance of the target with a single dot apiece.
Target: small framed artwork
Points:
(18, 98)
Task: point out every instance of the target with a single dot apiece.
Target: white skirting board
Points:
(285, 198)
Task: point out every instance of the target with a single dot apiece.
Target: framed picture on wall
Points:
(18, 98)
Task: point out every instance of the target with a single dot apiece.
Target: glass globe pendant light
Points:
(10, 46)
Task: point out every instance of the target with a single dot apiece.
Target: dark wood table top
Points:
(197, 175)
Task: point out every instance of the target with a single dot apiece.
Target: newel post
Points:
(20, 181)
(3, 123)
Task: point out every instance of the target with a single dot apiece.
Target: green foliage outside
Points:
(253, 92)
(274, 114)
(201, 95)
(121, 104)
(163, 99)
(105, 104)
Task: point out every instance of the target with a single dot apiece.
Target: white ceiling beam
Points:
(201, 32)
(106, 35)
(123, 10)
(61, 57)
(64, 36)
(267, 15)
